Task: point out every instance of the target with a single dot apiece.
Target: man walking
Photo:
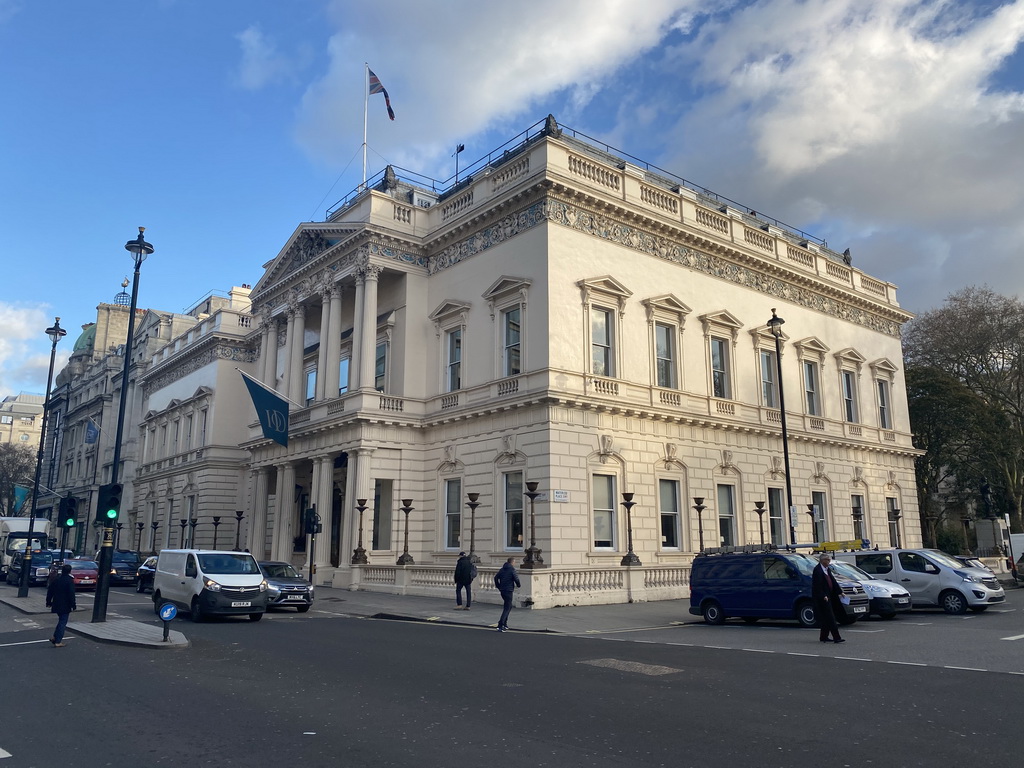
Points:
(827, 595)
(465, 572)
(60, 599)
(506, 580)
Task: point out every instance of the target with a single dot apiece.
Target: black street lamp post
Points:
(814, 529)
(216, 525)
(152, 541)
(139, 249)
(181, 539)
(359, 555)
(239, 514)
(472, 504)
(698, 506)
(406, 558)
(117, 535)
(138, 536)
(192, 523)
(775, 326)
(760, 519)
(630, 557)
(896, 512)
(533, 558)
(56, 333)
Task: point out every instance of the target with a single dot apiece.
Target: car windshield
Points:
(41, 558)
(83, 565)
(228, 563)
(803, 563)
(942, 558)
(849, 571)
(132, 558)
(279, 571)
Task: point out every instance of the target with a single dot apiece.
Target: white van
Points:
(931, 577)
(208, 582)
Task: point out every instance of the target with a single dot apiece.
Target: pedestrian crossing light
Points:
(67, 516)
(108, 508)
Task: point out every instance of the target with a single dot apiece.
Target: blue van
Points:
(763, 585)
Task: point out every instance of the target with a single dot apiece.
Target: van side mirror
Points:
(190, 571)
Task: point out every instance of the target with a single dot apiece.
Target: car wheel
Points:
(805, 615)
(303, 608)
(953, 602)
(750, 619)
(195, 611)
(713, 613)
(255, 616)
(156, 603)
(978, 608)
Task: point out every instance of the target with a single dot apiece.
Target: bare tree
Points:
(17, 463)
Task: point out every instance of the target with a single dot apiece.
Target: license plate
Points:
(295, 597)
(87, 581)
(903, 600)
(241, 604)
(859, 609)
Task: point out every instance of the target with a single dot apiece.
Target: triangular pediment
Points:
(722, 318)
(607, 285)
(504, 285)
(448, 308)
(813, 345)
(667, 302)
(308, 243)
(850, 355)
(884, 364)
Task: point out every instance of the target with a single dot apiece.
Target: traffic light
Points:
(67, 515)
(108, 506)
(313, 524)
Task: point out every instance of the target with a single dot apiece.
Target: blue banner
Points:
(271, 409)
(92, 432)
(21, 494)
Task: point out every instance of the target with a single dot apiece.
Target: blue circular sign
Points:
(168, 611)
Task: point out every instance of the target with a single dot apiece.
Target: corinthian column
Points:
(331, 379)
(368, 326)
(325, 328)
(296, 346)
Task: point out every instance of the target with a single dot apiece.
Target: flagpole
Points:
(366, 100)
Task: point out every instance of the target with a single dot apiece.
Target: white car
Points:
(887, 599)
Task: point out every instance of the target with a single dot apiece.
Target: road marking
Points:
(27, 642)
(908, 663)
(631, 666)
(850, 658)
(1014, 637)
(4, 753)
(965, 669)
(795, 653)
(756, 650)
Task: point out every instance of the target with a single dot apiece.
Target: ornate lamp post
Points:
(760, 519)
(775, 326)
(216, 525)
(698, 506)
(152, 542)
(138, 536)
(472, 504)
(181, 540)
(56, 333)
(406, 558)
(630, 557)
(359, 556)
(239, 515)
(139, 249)
(192, 523)
(117, 535)
(895, 514)
(533, 558)
(810, 513)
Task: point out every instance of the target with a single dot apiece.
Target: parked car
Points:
(41, 561)
(972, 562)
(144, 574)
(285, 587)
(932, 578)
(887, 599)
(85, 573)
(764, 585)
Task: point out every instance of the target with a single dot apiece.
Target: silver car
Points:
(887, 599)
(285, 587)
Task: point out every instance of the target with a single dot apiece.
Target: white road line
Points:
(1014, 637)
(810, 655)
(908, 663)
(850, 658)
(965, 669)
(4, 753)
(756, 650)
(27, 642)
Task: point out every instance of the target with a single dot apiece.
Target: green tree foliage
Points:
(976, 339)
(17, 463)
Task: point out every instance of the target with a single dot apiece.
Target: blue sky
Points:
(892, 127)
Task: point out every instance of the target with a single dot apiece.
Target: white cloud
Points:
(24, 349)
(262, 64)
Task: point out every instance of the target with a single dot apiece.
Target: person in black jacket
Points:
(60, 599)
(506, 580)
(827, 595)
(465, 572)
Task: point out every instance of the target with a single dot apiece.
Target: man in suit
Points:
(60, 599)
(827, 595)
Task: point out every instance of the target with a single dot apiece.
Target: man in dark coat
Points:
(506, 580)
(465, 572)
(827, 596)
(60, 599)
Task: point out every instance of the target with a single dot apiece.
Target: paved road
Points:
(326, 689)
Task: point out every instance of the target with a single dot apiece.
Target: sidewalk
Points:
(341, 602)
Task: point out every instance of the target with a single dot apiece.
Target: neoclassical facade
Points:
(566, 318)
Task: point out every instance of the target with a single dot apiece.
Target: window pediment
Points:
(850, 358)
(606, 288)
(448, 309)
(667, 304)
(812, 347)
(884, 369)
(506, 285)
(723, 321)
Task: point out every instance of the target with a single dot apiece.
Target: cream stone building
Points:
(21, 419)
(569, 318)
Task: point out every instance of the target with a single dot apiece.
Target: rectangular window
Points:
(452, 514)
(202, 426)
(343, 366)
(891, 511)
(849, 397)
(857, 504)
(454, 363)
(380, 367)
(513, 510)
(726, 515)
(820, 515)
(884, 415)
(512, 365)
(665, 355)
(776, 517)
(382, 502)
(720, 368)
(812, 396)
(668, 498)
(601, 338)
(604, 511)
(188, 432)
(769, 391)
(310, 385)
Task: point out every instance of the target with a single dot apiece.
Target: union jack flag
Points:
(377, 87)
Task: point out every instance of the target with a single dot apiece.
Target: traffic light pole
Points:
(141, 249)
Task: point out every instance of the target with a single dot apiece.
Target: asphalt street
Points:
(329, 688)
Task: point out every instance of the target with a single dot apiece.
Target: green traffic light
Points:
(70, 522)
(111, 514)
